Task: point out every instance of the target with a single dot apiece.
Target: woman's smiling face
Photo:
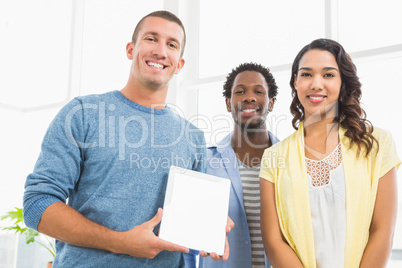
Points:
(318, 82)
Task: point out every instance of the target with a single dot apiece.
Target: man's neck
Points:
(249, 144)
(144, 96)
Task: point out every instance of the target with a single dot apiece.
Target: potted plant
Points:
(18, 226)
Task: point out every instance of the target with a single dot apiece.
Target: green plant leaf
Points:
(14, 215)
(30, 235)
(16, 229)
(19, 227)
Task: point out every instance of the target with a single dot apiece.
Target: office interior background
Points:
(52, 51)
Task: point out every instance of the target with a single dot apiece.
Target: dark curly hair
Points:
(251, 66)
(351, 115)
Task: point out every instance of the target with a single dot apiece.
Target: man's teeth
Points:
(249, 110)
(156, 65)
(316, 98)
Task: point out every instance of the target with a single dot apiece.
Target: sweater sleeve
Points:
(58, 167)
(387, 153)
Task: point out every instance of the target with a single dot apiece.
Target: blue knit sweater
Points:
(109, 158)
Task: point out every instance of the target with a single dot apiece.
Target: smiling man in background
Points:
(250, 91)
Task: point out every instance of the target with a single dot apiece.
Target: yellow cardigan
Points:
(284, 164)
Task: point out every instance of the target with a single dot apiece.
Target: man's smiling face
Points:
(249, 102)
(156, 54)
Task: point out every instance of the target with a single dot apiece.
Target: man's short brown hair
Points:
(164, 15)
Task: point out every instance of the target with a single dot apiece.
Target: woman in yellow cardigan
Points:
(328, 192)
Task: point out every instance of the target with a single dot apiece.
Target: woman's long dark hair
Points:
(351, 115)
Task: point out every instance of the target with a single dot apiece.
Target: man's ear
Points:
(271, 104)
(180, 65)
(129, 50)
(228, 105)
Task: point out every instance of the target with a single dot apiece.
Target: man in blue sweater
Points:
(109, 155)
(250, 91)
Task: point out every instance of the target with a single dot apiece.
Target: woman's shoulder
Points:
(385, 141)
(283, 144)
(380, 133)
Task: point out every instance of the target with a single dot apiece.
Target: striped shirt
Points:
(251, 198)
